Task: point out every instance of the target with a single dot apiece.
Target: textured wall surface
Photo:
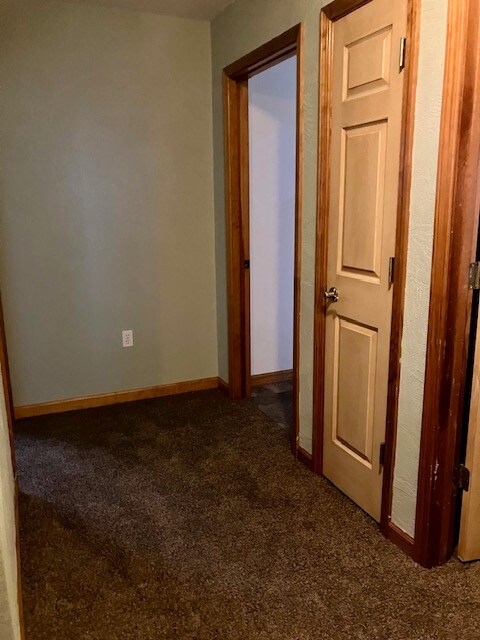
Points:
(9, 613)
(272, 129)
(107, 203)
(414, 343)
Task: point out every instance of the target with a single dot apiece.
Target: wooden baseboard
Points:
(305, 458)
(399, 538)
(223, 386)
(271, 378)
(89, 402)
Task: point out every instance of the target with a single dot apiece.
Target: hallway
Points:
(187, 517)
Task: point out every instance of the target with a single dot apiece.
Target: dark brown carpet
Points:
(188, 518)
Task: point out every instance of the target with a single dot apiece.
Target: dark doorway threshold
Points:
(275, 401)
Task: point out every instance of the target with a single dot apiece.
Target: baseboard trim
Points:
(271, 378)
(305, 458)
(223, 386)
(103, 400)
(403, 540)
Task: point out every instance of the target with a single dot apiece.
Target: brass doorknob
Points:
(331, 295)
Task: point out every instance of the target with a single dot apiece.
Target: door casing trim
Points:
(454, 247)
(235, 101)
(328, 16)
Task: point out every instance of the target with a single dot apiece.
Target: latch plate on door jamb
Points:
(461, 477)
(474, 275)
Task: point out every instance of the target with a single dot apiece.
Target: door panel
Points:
(367, 64)
(367, 92)
(355, 362)
(361, 201)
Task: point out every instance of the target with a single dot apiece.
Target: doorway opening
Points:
(272, 151)
(263, 133)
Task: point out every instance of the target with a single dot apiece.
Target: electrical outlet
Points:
(127, 338)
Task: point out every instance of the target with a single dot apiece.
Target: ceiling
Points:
(200, 9)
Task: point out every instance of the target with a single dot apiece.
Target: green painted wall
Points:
(107, 203)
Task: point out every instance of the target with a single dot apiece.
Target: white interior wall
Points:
(272, 131)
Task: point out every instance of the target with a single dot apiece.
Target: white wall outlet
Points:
(127, 338)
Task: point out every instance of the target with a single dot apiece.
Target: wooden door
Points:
(367, 91)
(469, 542)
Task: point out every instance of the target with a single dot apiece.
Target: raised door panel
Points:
(367, 64)
(362, 180)
(354, 389)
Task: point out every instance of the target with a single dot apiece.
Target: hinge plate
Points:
(403, 52)
(461, 477)
(474, 275)
(246, 264)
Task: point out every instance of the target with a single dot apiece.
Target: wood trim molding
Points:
(329, 14)
(455, 239)
(295, 430)
(235, 98)
(7, 391)
(400, 538)
(244, 153)
(324, 155)
(404, 190)
(341, 8)
(236, 347)
(119, 397)
(223, 386)
(266, 56)
(7, 385)
(305, 458)
(274, 377)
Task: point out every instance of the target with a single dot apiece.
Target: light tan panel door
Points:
(367, 92)
(469, 542)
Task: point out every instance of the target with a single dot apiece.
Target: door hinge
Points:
(474, 275)
(391, 271)
(461, 477)
(403, 53)
(246, 264)
(383, 448)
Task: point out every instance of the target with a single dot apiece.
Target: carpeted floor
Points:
(187, 518)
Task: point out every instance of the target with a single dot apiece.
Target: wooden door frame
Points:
(235, 101)
(328, 16)
(7, 392)
(455, 246)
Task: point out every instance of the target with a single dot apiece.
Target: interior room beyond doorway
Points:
(272, 154)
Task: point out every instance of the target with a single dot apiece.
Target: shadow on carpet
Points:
(188, 518)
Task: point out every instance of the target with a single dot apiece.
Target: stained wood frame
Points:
(7, 391)
(235, 99)
(329, 15)
(455, 240)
